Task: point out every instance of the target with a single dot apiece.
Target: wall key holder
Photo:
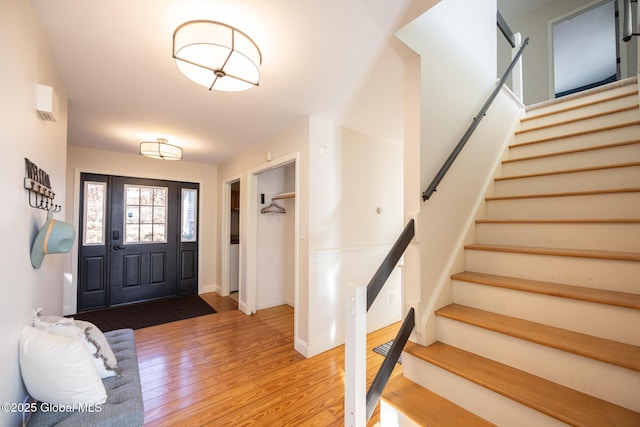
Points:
(39, 186)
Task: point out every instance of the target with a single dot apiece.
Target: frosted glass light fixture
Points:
(160, 149)
(217, 56)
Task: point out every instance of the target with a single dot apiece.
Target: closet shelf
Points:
(284, 196)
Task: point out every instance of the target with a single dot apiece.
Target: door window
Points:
(189, 209)
(94, 213)
(145, 214)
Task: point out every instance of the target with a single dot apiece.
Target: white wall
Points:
(26, 63)
(110, 163)
(352, 174)
(457, 74)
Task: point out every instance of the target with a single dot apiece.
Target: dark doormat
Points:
(145, 314)
(383, 349)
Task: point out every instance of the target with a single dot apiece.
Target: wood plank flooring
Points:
(230, 369)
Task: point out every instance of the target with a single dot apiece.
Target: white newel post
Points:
(516, 74)
(355, 357)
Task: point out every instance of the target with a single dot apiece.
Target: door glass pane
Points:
(189, 212)
(94, 213)
(146, 214)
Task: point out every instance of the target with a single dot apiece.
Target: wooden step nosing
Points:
(549, 336)
(560, 290)
(570, 171)
(574, 134)
(578, 119)
(587, 221)
(396, 389)
(565, 194)
(539, 394)
(578, 106)
(563, 252)
(574, 151)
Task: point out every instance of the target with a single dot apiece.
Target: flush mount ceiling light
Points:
(160, 149)
(217, 56)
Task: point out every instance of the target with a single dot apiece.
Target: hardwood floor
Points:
(230, 369)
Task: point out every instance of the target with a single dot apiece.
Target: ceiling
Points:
(123, 87)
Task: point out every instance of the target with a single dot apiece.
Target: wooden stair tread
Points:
(567, 194)
(573, 151)
(561, 221)
(427, 408)
(578, 119)
(600, 296)
(577, 106)
(608, 351)
(569, 171)
(562, 403)
(579, 133)
(576, 253)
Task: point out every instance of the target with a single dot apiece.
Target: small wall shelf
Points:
(284, 196)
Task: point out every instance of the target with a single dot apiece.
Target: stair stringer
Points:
(439, 292)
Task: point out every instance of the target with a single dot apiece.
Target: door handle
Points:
(116, 248)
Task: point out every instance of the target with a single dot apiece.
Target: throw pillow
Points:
(58, 369)
(88, 334)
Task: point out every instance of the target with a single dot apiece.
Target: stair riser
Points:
(628, 133)
(585, 159)
(579, 126)
(601, 179)
(622, 237)
(598, 206)
(565, 313)
(630, 100)
(485, 403)
(612, 275)
(604, 381)
(580, 101)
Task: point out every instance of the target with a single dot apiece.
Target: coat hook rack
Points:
(38, 184)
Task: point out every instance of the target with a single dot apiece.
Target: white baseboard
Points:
(301, 347)
(209, 288)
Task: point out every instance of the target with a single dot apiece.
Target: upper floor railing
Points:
(629, 28)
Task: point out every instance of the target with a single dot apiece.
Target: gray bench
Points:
(124, 406)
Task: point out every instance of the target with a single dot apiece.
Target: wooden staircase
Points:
(544, 328)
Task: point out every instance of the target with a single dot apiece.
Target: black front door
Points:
(133, 244)
(142, 243)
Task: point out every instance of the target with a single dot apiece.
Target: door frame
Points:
(225, 219)
(70, 281)
(622, 53)
(251, 201)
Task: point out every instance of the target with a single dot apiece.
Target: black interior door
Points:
(139, 240)
(142, 243)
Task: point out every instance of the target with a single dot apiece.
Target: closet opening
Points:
(273, 240)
